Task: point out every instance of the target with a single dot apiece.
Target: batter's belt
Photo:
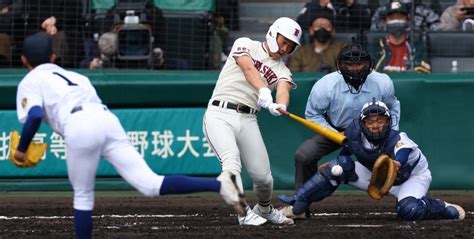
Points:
(240, 108)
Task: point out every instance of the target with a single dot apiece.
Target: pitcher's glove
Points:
(383, 176)
(33, 153)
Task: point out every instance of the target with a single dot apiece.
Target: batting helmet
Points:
(286, 27)
(375, 108)
(354, 54)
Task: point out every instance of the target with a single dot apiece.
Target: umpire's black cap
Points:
(38, 49)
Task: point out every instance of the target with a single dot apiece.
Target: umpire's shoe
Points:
(453, 211)
(230, 192)
(273, 216)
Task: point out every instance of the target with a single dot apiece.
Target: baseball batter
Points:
(370, 136)
(244, 86)
(69, 104)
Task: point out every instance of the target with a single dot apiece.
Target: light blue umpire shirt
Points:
(331, 95)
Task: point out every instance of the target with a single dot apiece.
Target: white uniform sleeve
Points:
(241, 47)
(404, 143)
(286, 76)
(28, 95)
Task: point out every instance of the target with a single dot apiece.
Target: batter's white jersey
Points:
(232, 85)
(57, 91)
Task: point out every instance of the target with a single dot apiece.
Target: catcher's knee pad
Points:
(411, 209)
(348, 170)
(315, 189)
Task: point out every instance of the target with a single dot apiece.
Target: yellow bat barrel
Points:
(321, 130)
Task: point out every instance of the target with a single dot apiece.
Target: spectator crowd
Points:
(88, 36)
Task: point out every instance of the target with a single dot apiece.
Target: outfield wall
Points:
(162, 113)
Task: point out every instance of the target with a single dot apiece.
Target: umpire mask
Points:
(350, 55)
(322, 35)
(397, 27)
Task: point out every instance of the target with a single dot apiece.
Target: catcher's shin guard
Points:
(426, 208)
(315, 189)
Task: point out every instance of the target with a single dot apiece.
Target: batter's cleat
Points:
(454, 211)
(251, 219)
(287, 211)
(230, 192)
(273, 216)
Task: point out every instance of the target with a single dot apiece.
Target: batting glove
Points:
(273, 108)
(265, 97)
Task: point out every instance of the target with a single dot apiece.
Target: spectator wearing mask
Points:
(425, 18)
(319, 55)
(396, 53)
(457, 17)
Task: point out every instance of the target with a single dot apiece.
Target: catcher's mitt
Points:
(383, 176)
(33, 153)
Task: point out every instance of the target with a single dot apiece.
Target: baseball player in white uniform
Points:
(370, 135)
(69, 104)
(244, 86)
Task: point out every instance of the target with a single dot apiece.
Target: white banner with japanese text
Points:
(171, 141)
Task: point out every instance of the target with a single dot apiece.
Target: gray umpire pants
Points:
(307, 156)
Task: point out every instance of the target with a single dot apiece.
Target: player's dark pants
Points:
(307, 156)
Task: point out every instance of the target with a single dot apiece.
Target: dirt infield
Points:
(206, 216)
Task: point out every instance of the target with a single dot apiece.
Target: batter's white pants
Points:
(236, 139)
(93, 132)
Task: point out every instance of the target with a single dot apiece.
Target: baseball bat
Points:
(330, 134)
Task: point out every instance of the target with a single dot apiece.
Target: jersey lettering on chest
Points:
(266, 72)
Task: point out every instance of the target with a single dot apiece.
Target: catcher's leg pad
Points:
(426, 208)
(315, 189)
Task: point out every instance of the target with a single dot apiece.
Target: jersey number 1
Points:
(66, 79)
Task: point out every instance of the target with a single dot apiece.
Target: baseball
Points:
(336, 170)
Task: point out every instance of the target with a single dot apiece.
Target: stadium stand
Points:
(448, 48)
(187, 34)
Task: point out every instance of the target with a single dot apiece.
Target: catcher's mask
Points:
(354, 64)
(375, 108)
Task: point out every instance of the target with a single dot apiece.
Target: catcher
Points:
(374, 143)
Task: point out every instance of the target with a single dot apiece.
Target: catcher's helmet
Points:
(286, 27)
(354, 54)
(375, 108)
